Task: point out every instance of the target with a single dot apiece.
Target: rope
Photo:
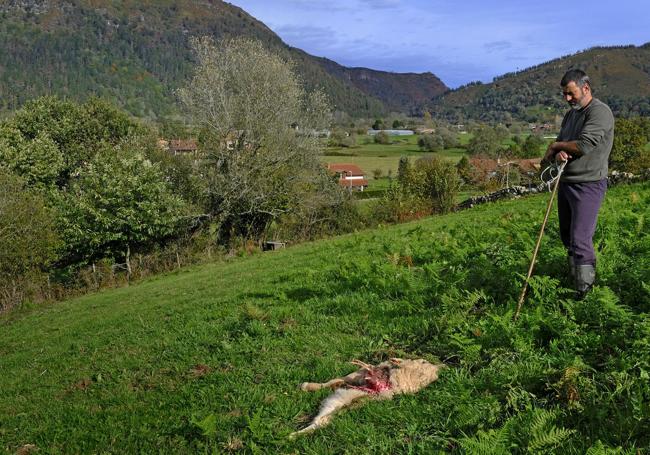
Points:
(554, 172)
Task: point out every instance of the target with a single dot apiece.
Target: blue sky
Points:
(458, 40)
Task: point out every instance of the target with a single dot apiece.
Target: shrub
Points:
(382, 138)
(532, 147)
(431, 143)
(628, 151)
(440, 183)
(27, 239)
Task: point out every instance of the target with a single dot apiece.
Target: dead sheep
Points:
(380, 382)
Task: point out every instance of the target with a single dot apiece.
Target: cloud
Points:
(382, 4)
(308, 36)
(497, 46)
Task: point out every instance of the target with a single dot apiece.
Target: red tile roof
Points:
(182, 145)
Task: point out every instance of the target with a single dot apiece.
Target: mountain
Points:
(398, 91)
(137, 54)
(620, 76)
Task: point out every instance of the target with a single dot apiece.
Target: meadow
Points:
(370, 156)
(208, 359)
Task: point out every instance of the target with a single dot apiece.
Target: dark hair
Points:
(577, 76)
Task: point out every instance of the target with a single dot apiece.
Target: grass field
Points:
(208, 359)
(370, 156)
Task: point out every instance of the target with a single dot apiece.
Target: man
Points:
(584, 143)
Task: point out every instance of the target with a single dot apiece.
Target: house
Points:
(183, 147)
(350, 176)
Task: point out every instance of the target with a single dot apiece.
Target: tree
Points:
(382, 138)
(120, 203)
(379, 124)
(440, 183)
(397, 124)
(27, 238)
(28, 241)
(431, 142)
(426, 118)
(49, 139)
(628, 151)
(450, 138)
(485, 142)
(246, 100)
(403, 170)
(532, 146)
(502, 133)
(464, 169)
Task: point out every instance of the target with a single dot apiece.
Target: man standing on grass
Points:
(584, 143)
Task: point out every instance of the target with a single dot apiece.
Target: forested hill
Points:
(137, 53)
(620, 76)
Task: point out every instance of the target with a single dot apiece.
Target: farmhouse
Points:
(350, 176)
(179, 146)
(183, 147)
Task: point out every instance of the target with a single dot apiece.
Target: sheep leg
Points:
(354, 378)
(338, 400)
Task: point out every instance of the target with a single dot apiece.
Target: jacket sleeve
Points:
(598, 122)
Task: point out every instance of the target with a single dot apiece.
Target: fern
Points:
(492, 442)
(544, 435)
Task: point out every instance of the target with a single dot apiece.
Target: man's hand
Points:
(561, 151)
(562, 157)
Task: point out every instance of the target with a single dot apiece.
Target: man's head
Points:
(576, 88)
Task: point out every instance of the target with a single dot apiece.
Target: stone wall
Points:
(514, 192)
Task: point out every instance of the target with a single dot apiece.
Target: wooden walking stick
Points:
(556, 178)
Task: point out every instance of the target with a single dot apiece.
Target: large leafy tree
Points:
(119, 203)
(49, 139)
(485, 142)
(260, 133)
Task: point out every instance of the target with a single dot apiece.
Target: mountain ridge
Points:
(137, 53)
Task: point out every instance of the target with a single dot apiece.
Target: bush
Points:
(27, 240)
(628, 151)
(532, 147)
(485, 142)
(431, 143)
(440, 183)
(382, 138)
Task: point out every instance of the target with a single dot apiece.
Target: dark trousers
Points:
(577, 206)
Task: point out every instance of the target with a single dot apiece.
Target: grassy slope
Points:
(113, 371)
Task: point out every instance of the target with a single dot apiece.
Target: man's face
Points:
(577, 97)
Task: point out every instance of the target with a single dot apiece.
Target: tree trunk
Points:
(128, 262)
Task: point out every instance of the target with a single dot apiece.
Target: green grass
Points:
(116, 372)
(370, 156)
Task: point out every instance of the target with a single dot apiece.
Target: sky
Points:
(459, 41)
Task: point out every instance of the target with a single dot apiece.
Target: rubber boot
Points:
(585, 277)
